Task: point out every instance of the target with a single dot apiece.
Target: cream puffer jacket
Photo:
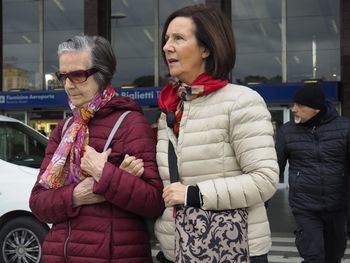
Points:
(226, 147)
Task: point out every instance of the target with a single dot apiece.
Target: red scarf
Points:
(173, 94)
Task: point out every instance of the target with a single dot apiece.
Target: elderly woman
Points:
(95, 200)
(223, 143)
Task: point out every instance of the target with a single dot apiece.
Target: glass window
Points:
(277, 119)
(132, 38)
(167, 7)
(313, 40)
(257, 29)
(44, 121)
(24, 65)
(20, 42)
(63, 19)
(21, 145)
(21, 116)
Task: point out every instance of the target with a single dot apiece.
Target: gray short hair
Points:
(102, 56)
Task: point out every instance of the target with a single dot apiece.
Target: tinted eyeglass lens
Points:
(77, 76)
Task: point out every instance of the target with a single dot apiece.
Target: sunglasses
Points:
(77, 76)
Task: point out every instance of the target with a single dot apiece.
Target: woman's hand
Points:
(132, 165)
(83, 194)
(174, 194)
(93, 162)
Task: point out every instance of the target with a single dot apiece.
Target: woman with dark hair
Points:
(222, 139)
(95, 200)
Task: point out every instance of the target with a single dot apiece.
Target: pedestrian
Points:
(219, 137)
(94, 200)
(316, 145)
(42, 131)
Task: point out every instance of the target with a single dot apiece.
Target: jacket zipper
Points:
(66, 242)
(296, 182)
(318, 155)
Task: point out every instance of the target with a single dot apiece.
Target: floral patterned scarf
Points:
(60, 172)
(173, 95)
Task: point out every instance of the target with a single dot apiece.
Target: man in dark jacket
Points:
(317, 147)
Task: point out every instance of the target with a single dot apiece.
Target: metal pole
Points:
(156, 42)
(1, 48)
(284, 40)
(42, 83)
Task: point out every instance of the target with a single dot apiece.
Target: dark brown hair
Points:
(213, 32)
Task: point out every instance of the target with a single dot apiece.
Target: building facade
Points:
(280, 45)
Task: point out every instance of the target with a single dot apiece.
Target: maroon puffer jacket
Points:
(112, 231)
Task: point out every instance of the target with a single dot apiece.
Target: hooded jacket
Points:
(318, 154)
(114, 230)
(225, 147)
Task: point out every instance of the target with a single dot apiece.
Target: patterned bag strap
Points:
(113, 131)
(172, 160)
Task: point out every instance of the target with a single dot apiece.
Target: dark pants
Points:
(320, 237)
(257, 259)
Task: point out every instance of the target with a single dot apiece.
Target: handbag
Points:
(208, 236)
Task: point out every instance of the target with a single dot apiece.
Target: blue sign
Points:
(148, 96)
(283, 92)
(143, 96)
(27, 99)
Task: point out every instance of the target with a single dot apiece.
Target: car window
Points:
(21, 145)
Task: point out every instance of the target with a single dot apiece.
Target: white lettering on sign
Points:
(137, 95)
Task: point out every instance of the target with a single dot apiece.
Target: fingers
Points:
(96, 199)
(136, 167)
(88, 149)
(83, 193)
(170, 200)
(108, 151)
(127, 161)
(132, 165)
(140, 172)
(169, 196)
(88, 181)
(174, 194)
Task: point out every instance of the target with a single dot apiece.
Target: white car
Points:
(22, 150)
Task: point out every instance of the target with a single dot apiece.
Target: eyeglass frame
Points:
(87, 73)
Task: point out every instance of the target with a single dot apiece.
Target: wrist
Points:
(75, 198)
(193, 196)
(97, 174)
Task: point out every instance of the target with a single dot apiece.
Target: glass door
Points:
(279, 116)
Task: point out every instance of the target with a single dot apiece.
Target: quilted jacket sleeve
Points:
(281, 149)
(142, 196)
(251, 138)
(52, 205)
